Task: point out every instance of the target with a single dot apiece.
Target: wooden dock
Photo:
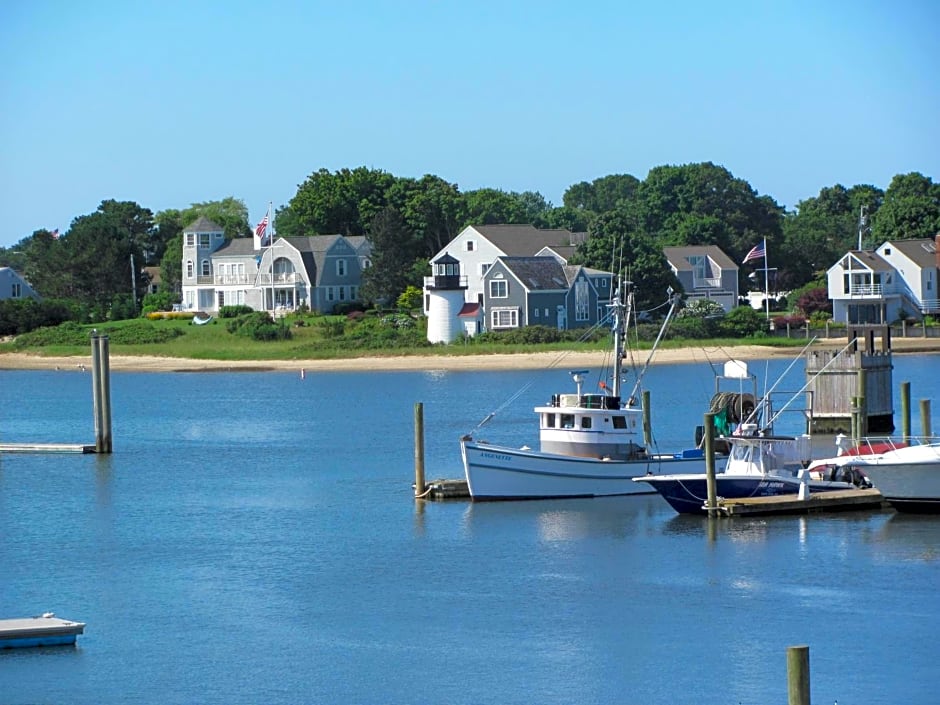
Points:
(44, 630)
(46, 448)
(840, 501)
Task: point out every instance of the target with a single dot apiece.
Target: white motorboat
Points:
(590, 445)
(907, 473)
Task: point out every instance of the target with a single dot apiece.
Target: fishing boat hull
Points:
(687, 493)
(502, 473)
(908, 478)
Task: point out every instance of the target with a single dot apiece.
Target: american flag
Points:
(55, 234)
(261, 227)
(756, 252)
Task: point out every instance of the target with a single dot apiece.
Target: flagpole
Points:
(271, 245)
(766, 283)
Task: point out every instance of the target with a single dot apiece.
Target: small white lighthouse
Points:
(444, 299)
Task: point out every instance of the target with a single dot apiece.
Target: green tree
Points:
(911, 209)
(231, 213)
(489, 206)
(393, 254)
(601, 195)
(432, 209)
(615, 244)
(342, 203)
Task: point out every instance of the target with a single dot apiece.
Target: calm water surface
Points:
(253, 539)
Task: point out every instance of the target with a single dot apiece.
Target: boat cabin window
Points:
(620, 421)
(550, 420)
(585, 422)
(567, 420)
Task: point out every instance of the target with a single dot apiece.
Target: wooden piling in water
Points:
(420, 484)
(798, 691)
(101, 392)
(925, 429)
(906, 412)
(710, 482)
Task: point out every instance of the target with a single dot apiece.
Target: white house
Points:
(899, 278)
(319, 271)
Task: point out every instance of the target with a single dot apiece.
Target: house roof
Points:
(869, 259)
(469, 310)
(524, 240)
(203, 225)
(678, 257)
(537, 273)
(922, 251)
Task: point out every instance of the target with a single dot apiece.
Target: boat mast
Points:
(621, 312)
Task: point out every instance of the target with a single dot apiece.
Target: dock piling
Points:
(710, 482)
(925, 428)
(798, 692)
(906, 412)
(101, 391)
(420, 484)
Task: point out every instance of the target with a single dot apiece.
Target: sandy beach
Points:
(717, 355)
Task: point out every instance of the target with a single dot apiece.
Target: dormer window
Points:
(470, 245)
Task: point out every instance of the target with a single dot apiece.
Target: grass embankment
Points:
(311, 338)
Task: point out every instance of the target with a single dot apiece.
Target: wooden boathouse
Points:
(843, 382)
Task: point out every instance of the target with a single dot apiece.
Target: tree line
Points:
(408, 220)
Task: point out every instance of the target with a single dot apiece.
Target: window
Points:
(470, 245)
(535, 313)
(342, 293)
(352, 293)
(189, 269)
(567, 420)
(483, 267)
(203, 239)
(206, 270)
(546, 312)
(341, 268)
(505, 318)
(620, 421)
(17, 290)
(190, 239)
(499, 289)
(581, 300)
(329, 293)
(585, 422)
(550, 420)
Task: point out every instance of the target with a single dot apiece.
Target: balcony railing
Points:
(867, 290)
(706, 282)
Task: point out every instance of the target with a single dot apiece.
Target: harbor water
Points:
(254, 539)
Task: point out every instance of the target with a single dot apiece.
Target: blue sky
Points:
(171, 103)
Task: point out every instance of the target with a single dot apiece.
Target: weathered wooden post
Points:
(419, 449)
(647, 426)
(862, 392)
(101, 391)
(710, 464)
(906, 411)
(798, 675)
(925, 429)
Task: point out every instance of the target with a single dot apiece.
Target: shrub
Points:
(742, 322)
(238, 310)
(410, 299)
(159, 301)
(809, 301)
(345, 307)
(700, 308)
(792, 320)
(258, 325)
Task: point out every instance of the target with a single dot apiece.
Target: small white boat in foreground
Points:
(906, 474)
(590, 444)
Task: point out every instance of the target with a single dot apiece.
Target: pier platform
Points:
(844, 500)
(44, 630)
(46, 448)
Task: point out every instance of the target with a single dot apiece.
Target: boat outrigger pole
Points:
(674, 300)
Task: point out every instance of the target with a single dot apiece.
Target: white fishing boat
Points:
(907, 473)
(590, 445)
